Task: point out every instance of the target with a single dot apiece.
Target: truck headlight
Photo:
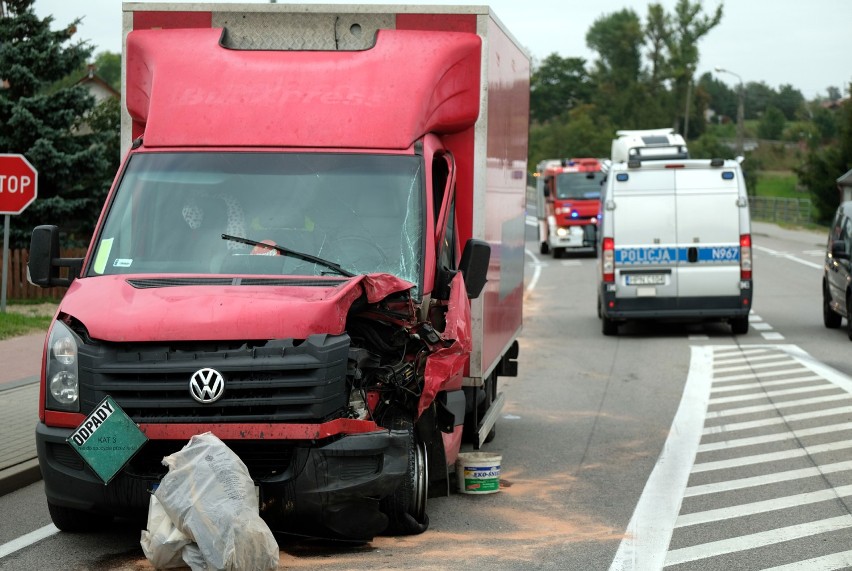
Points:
(63, 386)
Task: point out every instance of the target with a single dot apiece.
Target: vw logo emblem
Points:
(207, 385)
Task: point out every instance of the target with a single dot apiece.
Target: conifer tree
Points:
(43, 124)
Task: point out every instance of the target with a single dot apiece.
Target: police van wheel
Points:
(739, 325)
(609, 326)
(76, 521)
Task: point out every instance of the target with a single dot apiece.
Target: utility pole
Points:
(740, 110)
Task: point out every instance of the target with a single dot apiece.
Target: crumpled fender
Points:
(379, 286)
(448, 362)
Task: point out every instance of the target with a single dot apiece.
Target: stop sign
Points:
(18, 184)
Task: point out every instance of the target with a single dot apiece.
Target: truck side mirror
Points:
(474, 266)
(44, 263)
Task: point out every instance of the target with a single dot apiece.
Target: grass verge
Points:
(21, 318)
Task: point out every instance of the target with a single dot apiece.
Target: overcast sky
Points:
(804, 43)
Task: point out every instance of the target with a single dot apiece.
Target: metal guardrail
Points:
(773, 209)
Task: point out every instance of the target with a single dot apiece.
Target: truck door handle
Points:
(692, 255)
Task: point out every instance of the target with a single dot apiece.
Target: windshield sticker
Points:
(103, 255)
(122, 263)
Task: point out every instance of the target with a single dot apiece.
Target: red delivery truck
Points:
(313, 249)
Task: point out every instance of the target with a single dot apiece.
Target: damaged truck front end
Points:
(343, 392)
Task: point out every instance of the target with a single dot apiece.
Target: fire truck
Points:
(568, 201)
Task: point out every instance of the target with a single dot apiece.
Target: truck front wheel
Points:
(406, 507)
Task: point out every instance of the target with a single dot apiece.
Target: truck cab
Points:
(568, 204)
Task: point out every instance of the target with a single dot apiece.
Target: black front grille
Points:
(263, 458)
(283, 380)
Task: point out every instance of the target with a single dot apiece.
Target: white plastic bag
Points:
(208, 496)
(162, 542)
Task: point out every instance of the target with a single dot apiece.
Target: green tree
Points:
(689, 25)
(582, 132)
(758, 96)
(108, 67)
(617, 38)
(824, 165)
(771, 125)
(558, 85)
(723, 99)
(40, 124)
(789, 101)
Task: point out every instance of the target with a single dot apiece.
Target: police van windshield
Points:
(579, 185)
(363, 213)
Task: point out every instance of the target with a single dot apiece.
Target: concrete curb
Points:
(19, 476)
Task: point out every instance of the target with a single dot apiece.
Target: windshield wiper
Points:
(291, 253)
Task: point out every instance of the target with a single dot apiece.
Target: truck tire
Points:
(739, 325)
(76, 521)
(406, 507)
(829, 318)
(558, 252)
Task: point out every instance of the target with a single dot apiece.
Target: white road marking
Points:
(772, 336)
(699, 337)
(776, 406)
(752, 365)
(789, 257)
(763, 384)
(766, 356)
(27, 540)
(773, 478)
(761, 326)
(770, 457)
(536, 271)
(776, 437)
(754, 540)
(770, 394)
(831, 562)
(649, 531)
(725, 378)
(655, 519)
(763, 506)
(783, 419)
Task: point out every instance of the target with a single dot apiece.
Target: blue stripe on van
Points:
(655, 255)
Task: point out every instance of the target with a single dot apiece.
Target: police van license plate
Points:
(645, 279)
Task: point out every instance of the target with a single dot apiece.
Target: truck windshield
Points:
(579, 185)
(357, 213)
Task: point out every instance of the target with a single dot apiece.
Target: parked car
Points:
(836, 284)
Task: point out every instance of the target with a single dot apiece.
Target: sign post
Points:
(18, 189)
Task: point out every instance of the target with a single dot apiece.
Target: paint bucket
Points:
(478, 472)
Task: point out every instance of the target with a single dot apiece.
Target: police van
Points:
(675, 242)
